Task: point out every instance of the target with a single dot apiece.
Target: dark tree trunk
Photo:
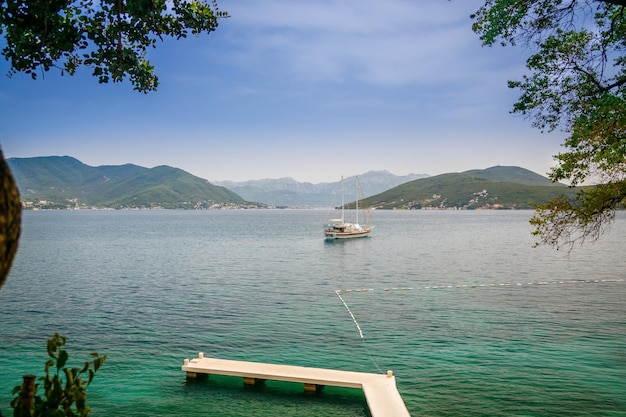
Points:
(10, 215)
(616, 2)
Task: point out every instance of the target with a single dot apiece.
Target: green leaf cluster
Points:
(563, 221)
(576, 83)
(111, 37)
(64, 389)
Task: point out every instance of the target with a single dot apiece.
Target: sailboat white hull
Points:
(333, 233)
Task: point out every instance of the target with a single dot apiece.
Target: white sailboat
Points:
(340, 229)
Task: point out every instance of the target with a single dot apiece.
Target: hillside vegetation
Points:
(492, 188)
(65, 182)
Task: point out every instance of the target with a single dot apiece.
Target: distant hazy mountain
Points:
(495, 187)
(289, 192)
(65, 182)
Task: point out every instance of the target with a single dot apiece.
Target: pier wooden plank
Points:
(381, 393)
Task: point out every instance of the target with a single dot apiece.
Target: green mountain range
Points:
(65, 182)
(56, 182)
(497, 187)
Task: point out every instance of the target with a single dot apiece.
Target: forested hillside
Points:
(492, 188)
(65, 182)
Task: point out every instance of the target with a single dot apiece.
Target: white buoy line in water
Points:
(356, 323)
(450, 286)
(338, 292)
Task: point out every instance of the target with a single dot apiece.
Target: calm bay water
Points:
(450, 301)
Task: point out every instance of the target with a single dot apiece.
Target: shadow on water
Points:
(276, 397)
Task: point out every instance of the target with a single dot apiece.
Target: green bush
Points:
(64, 389)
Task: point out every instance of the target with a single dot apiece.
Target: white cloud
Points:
(372, 42)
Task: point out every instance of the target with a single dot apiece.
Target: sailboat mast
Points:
(356, 184)
(343, 219)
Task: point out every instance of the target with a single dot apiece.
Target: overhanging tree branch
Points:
(576, 83)
(112, 39)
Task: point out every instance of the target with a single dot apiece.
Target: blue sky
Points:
(308, 89)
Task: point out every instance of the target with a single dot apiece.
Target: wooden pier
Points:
(381, 394)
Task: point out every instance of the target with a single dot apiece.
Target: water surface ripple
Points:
(470, 318)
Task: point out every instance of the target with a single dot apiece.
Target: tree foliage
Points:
(111, 37)
(64, 388)
(576, 83)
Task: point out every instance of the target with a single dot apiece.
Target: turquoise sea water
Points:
(470, 318)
